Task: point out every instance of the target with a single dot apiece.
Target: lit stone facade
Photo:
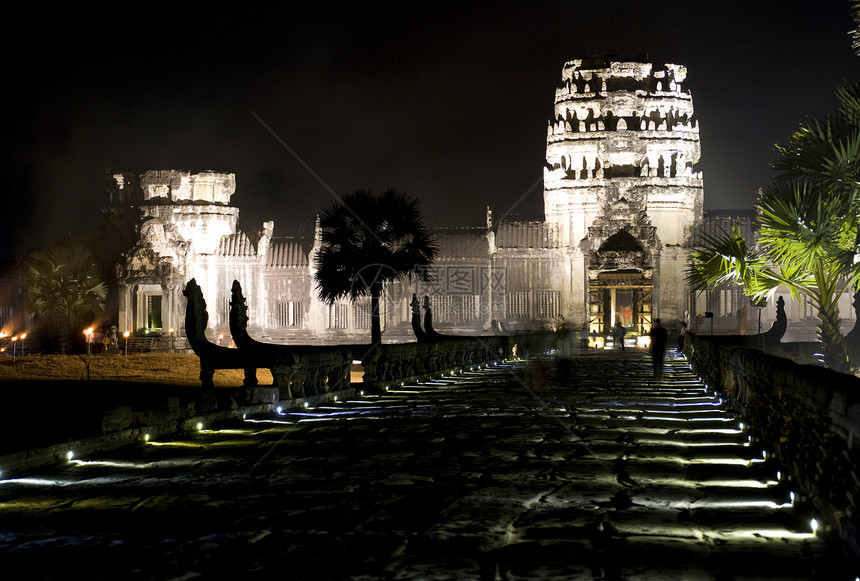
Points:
(620, 186)
(622, 199)
(181, 226)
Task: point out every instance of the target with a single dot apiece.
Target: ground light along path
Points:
(584, 468)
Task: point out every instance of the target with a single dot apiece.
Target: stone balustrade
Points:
(392, 363)
(806, 417)
(314, 371)
(311, 371)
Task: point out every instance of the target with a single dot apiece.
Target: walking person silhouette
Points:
(659, 336)
(681, 335)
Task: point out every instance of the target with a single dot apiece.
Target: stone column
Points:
(124, 315)
(672, 289)
(171, 297)
(578, 288)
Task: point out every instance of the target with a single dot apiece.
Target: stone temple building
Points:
(620, 190)
(623, 203)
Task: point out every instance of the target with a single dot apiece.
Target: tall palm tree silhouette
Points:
(369, 240)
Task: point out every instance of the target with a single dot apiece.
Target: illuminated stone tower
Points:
(179, 221)
(621, 187)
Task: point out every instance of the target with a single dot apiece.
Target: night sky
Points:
(447, 102)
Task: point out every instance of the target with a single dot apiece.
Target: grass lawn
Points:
(164, 368)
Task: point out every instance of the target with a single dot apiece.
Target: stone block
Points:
(264, 395)
(116, 419)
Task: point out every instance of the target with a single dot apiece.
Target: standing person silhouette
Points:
(659, 336)
(620, 331)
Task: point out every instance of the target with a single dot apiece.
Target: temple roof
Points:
(287, 252)
(237, 244)
(281, 252)
(526, 234)
(461, 242)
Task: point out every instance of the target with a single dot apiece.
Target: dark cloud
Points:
(449, 102)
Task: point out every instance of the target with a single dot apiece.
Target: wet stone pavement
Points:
(584, 468)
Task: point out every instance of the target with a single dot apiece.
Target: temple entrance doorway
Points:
(620, 296)
(153, 313)
(149, 317)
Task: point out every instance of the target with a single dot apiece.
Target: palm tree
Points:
(809, 226)
(64, 287)
(367, 241)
